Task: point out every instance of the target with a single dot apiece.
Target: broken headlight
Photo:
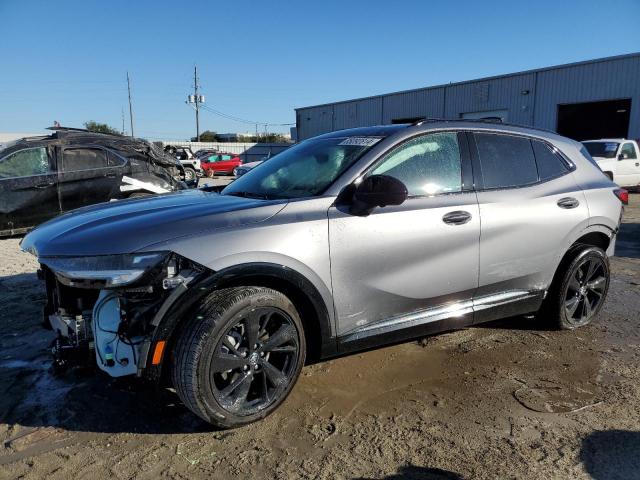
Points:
(104, 271)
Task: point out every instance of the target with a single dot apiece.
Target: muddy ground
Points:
(506, 400)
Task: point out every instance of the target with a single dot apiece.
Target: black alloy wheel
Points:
(238, 355)
(254, 360)
(586, 290)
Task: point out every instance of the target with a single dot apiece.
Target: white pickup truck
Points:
(617, 158)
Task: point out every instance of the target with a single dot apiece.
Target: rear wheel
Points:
(238, 357)
(579, 289)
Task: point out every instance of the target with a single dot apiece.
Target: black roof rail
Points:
(67, 129)
(494, 121)
(80, 130)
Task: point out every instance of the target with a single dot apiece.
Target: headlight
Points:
(103, 271)
(235, 171)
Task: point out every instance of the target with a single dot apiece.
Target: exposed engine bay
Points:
(111, 321)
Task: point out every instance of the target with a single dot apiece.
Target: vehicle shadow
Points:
(611, 454)
(628, 241)
(411, 472)
(519, 322)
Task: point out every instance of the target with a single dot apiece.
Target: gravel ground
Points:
(506, 400)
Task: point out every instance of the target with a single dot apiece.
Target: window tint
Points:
(550, 165)
(506, 161)
(628, 151)
(83, 159)
(24, 163)
(427, 165)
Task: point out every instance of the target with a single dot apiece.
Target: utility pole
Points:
(130, 107)
(195, 91)
(197, 100)
(122, 109)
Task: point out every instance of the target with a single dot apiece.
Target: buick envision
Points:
(345, 241)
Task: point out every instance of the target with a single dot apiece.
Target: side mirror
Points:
(377, 191)
(621, 156)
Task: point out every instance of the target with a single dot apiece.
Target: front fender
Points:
(184, 298)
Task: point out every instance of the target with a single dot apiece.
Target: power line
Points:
(242, 120)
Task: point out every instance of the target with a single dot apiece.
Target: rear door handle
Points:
(568, 202)
(459, 217)
(43, 185)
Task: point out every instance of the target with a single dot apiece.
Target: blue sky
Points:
(67, 60)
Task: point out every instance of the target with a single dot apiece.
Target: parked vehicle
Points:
(617, 158)
(190, 162)
(220, 163)
(205, 153)
(245, 167)
(41, 177)
(345, 241)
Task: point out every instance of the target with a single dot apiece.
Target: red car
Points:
(220, 163)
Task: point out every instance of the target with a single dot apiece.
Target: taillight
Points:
(622, 195)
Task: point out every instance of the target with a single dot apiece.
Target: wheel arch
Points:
(313, 310)
(597, 235)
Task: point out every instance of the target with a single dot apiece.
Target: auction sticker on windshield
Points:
(360, 141)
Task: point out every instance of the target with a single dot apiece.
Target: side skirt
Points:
(441, 319)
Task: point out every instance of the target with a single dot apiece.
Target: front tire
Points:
(189, 174)
(239, 355)
(579, 289)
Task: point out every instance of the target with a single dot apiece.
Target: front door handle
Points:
(459, 217)
(43, 185)
(568, 202)
(637, 164)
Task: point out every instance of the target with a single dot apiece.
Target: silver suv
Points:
(345, 241)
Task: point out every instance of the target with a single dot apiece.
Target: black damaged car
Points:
(41, 177)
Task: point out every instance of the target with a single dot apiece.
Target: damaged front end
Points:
(108, 307)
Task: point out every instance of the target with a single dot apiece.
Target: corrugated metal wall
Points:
(496, 94)
(530, 98)
(417, 103)
(602, 80)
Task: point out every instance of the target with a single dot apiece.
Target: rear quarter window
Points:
(550, 165)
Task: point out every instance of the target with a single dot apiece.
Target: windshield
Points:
(602, 149)
(304, 170)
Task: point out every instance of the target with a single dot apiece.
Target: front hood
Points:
(130, 225)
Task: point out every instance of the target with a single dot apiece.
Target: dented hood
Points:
(130, 225)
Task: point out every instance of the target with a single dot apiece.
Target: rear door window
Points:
(550, 165)
(506, 160)
(25, 163)
(76, 159)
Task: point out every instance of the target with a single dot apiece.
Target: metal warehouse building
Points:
(592, 99)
